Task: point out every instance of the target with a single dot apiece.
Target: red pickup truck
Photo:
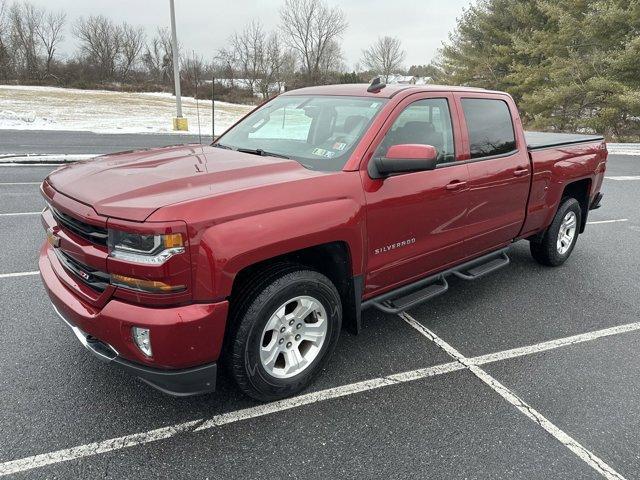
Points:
(254, 252)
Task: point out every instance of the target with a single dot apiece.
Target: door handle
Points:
(521, 172)
(455, 185)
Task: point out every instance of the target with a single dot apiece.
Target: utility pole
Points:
(179, 123)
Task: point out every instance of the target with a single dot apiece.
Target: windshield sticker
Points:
(321, 152)
(339, 146)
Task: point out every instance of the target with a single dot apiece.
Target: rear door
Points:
(415, 221)
(499, 170)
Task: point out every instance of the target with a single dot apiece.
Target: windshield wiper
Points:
(261, 152)
(219, 145)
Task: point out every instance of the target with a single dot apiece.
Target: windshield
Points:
(319, 132)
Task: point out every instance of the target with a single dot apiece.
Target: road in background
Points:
(64, 142)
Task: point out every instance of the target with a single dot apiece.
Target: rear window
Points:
(490, 127)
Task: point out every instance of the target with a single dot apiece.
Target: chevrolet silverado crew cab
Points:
(254, 252)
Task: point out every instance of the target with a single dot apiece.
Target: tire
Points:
(552, 250)
(257, 332)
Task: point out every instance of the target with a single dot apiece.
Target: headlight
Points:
(148, 249)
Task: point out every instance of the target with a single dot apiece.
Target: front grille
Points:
(88, 232)
(95, 279)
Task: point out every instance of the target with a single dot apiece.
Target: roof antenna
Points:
(195, 71)
(213, 106)
(376, 85)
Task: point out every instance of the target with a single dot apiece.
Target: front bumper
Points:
(189, 381)
(186, 340)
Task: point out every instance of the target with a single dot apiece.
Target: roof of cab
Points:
(360, 90)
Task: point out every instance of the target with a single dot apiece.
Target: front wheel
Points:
(283, 333)
(560, 238)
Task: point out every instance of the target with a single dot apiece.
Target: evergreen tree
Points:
(572, 65)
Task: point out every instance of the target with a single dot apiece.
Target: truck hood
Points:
(132, 185)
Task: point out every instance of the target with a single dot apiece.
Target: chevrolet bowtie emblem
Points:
(52, 238)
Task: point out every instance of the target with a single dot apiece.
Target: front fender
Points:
(227, 248)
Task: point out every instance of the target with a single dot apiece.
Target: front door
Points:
(416, 221)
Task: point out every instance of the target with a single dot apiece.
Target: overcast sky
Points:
(205, 25)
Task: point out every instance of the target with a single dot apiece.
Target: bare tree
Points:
(100, 42)
(152, 58)
(158, 58)
(312, 29)
(259, 58)
(5, 57)
(275, 66)
(288, 66)
(333, 61)
(385, 56)
(132, 43)
(50, 35)
(25, 21)
(224, 65)
(3, 15)
(249, 51)
(192, 68)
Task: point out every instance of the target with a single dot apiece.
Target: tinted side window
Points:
(490, 127)
(425, 122)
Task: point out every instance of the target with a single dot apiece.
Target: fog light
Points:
(142, 337)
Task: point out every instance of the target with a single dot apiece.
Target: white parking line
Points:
(587, 456)
(608, 221)
(17, 274)
(26, 159)
(328, 394)
(59, 456)
(623, 178)
(37, 461)
(20, 183)
(553, 344)
(19, 214)
(52, 165)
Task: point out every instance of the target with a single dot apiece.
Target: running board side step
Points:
(414, 294)
(483, 269)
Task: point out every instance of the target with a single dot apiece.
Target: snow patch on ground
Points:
(102, 111)
(11, 119)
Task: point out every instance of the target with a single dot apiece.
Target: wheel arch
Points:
(332, 259)
(581, 191)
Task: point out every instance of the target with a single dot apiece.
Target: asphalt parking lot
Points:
(529, 373)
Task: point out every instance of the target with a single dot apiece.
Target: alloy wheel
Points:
(293, 337)
(567, 232)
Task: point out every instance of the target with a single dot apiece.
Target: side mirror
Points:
(405, 159)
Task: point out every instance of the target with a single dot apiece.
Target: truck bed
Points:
(538, 140)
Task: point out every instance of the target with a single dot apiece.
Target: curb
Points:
(34, 159)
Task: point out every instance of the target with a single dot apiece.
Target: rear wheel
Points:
(283, 332)
(558, 241)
